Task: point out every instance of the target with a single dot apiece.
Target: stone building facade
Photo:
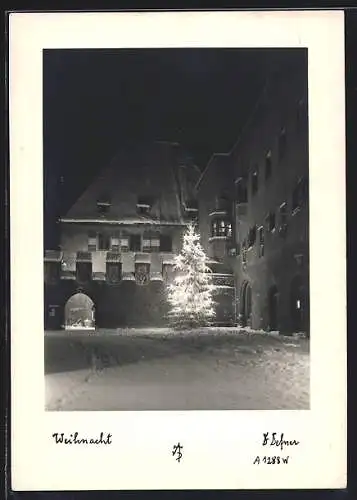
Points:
(118, 242)
(260, 192)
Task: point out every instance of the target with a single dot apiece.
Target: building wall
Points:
(284, 105)
(122, 305)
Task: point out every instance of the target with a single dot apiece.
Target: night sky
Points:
(97, 101)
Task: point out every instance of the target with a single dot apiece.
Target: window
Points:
(103, 204)
(268, 165)
(165, 243)
(261, 241)
(92, 241)
(144, 205)
(222, 203)
(252, 235)
(135, 242)
(283, 216)
(300, 194)
(103, 241)
(113, 272)
(270, 221)
(83, 271)
(142, 273)
(191, 210)
(151, 243)
(191, 205)
(255, 182)
(282, 144)
(115, 242)
(221, 228)
(244, 252)
(241, 190)
(124, 243)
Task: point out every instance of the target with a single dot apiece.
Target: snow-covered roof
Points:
(150, 171)
(121, 222)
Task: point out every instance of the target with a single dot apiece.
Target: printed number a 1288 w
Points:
(271, 460)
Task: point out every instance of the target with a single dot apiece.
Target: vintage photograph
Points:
(176, 229)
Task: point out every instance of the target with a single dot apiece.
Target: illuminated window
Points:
(221, 227)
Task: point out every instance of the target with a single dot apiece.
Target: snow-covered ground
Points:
(159, 369)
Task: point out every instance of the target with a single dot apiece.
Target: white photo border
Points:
(219, 446)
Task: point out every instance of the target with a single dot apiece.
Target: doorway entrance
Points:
(273, 303)
(246, 305)
(298, 305)
(79, 312)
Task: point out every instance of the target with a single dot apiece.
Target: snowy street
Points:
(157, 369)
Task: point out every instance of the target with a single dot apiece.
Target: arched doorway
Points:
(298, 305)
(246, 304)
(273, 297)
(79, 312)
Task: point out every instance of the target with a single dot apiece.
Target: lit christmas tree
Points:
(190, 294)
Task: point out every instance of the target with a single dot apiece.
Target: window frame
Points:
(103, 237)
(221, 227)
(113, 265)
(166, 248)
(139, 239)
(255, 181)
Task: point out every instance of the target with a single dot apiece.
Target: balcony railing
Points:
(97, 262)
(223, 280)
